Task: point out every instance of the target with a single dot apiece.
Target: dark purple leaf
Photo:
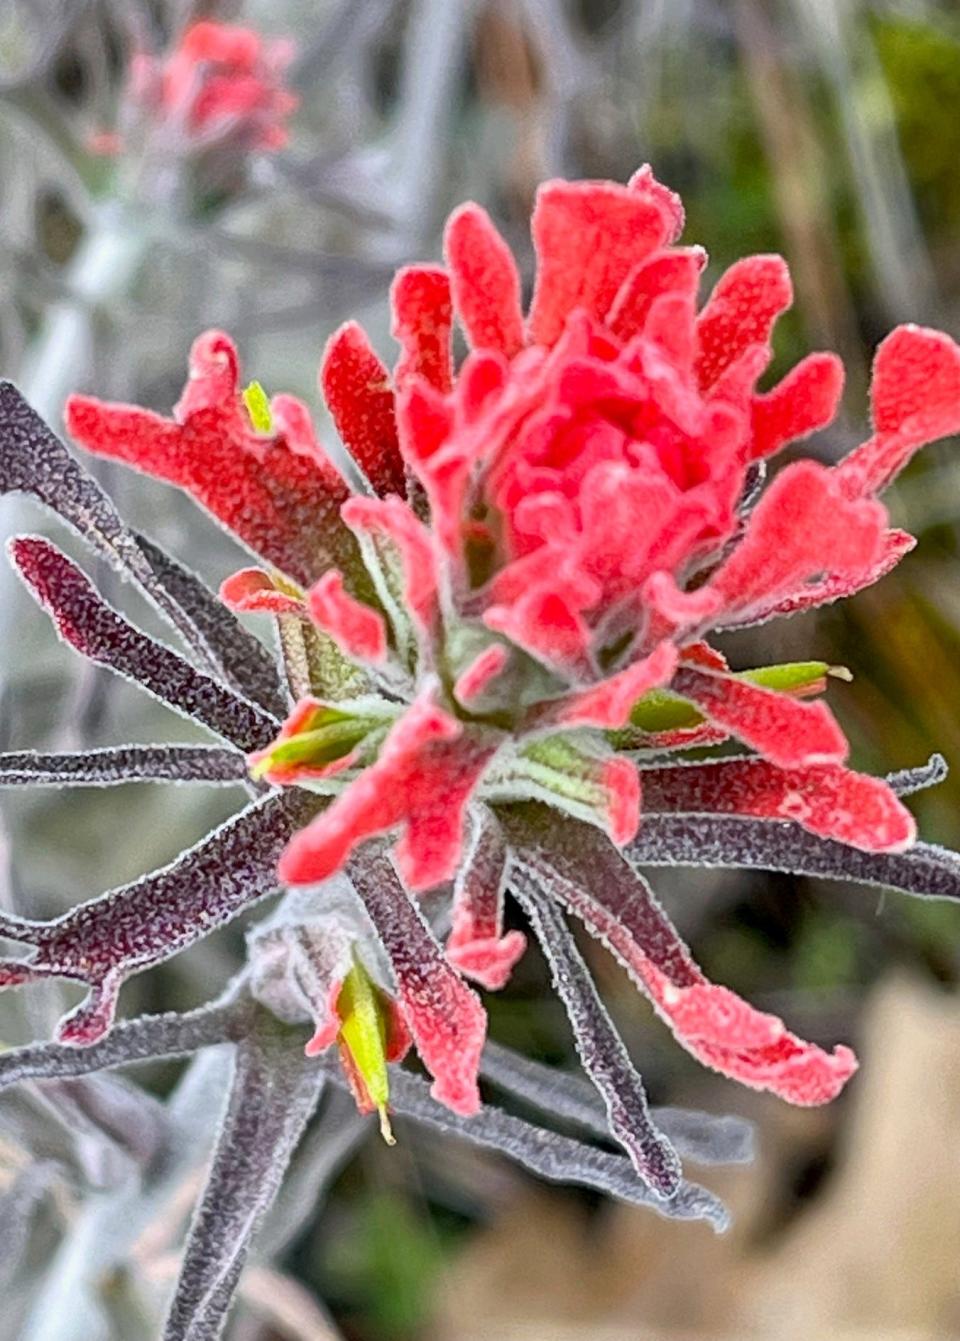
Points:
(241, 659)
(600, 1048)
(559, 1159)
(444, 1016)
(34, 461)
(729, 841)
(910, 780)
(273, 1094)
(698, 1136)
(123, 763)
(129, 1041)
(95, 630)
(105, 941)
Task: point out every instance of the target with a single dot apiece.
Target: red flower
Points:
(557, 528)
(219, 82)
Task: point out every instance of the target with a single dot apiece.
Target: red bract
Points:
(276, 491)
(549, 535)
(219, 82)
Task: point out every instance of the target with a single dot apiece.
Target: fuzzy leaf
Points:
(579, 868)
(143, 1039)
(698, 1136)
(909, 780)
(239, 657)
(444, 1016)
(123, 763)
(103, 942)
(558, 1159)
(733, 843)
(273, 1094)
(601, 1049)
(95, 630)
(34, 461)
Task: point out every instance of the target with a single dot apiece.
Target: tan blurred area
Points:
(874, 1258)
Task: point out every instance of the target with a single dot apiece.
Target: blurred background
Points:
(827, 131)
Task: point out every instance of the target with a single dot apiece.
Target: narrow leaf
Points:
(103, 942)
(602, 1052)
(236, 654)
(34, 461)
(444, 1016)
(273, 1094)
(95, 630)
(698, 1136)
(140, 1040)
(731, 842)
(123, 763)
(556, 1158)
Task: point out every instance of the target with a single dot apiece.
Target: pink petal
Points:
(916, 384)
(422, 779)
(837, 586)
(358, 630)
(741, 311)
(486, 285)
(915, 397)
(356, 388)
(547, 623)
(788, 732)
(806, 400)
(252, 591)
(396, 521)
(214, 375)
(644, 183)
(826, 799)
(422, 322)
(801, 527)
(675, 271)
(588, 237)
(477, 945)
(608, 704)
(476, 677)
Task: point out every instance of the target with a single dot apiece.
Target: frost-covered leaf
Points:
(274, 1091)
(123, 763)
(95, 630)
(129, 1041)
(103, 942)
(909, 780)
(698, 1136)
(728, 841)
(34, 461)
(241, 658)
(582, 870)
(559, 1159)
(444, 1016)
(601, 1049)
